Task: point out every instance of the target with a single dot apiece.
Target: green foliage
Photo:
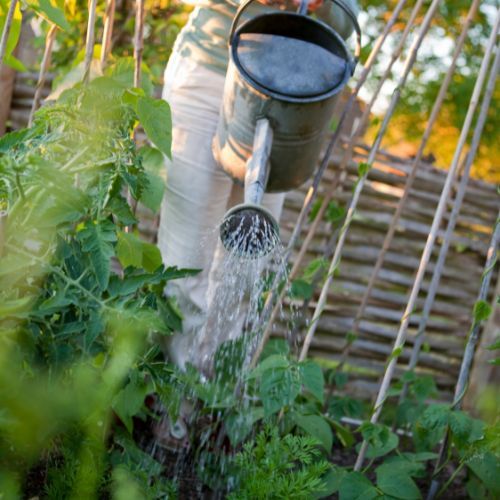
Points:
(432, 63)
(356, 486)
(363, 169)
(75, 325)
(14, 33)
(136, 474)
(381, 440)
(50, 12)
(156, 119)
(279, 467)
(333, 214)
(494, 347)
(482, 311)
(396, 481)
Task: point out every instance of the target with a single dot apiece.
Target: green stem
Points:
(452, 478)
(61, 274)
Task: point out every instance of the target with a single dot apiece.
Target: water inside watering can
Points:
(290, 66)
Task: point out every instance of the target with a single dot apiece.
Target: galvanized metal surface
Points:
(292, 89)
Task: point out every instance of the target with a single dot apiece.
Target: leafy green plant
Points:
(280, 467)
(81, 295)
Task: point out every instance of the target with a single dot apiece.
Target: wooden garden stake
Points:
(47, 54)
(436, 277)
(401, 335)
(138, 49)
(363, 175)
(107, 34)
(411, 177)
(138, 41)
(6, 29)
(271, 309)
(468, 357)
(89, 43)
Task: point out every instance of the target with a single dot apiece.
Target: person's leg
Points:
(196, 194)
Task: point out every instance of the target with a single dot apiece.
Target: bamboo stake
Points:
(411, 178)
(360, 184)
(468, 357)
(138, 49)
(431, 293)
(107, 35)
(401, 335)
(89, 42)
(6, 29)
(270, 308)
(47, 54)
(138, 41)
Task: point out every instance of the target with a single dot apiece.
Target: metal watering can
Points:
(284, 76)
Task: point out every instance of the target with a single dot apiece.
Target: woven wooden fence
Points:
(451, 314)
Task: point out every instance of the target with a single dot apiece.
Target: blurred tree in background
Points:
(423, 86)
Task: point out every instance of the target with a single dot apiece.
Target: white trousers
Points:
(197, 196)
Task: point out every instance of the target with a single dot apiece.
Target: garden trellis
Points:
(343, 154)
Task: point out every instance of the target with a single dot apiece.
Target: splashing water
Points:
(253, 254)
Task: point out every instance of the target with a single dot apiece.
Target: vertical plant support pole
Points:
(463, 377)
(138, 41)
(107, 34)
(47, 54)
(402, 332)
(270, 308)
(411, 176)
(138, 49)
(6, 29)
(436, 277)
(412, 55)
(89, 42)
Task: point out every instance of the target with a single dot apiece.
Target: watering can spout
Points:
(249, 229)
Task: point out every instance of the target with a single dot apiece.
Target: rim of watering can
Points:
(352, 60)
(246, 27)
(263, 213)
(303, 11)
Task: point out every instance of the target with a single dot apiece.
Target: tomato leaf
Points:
(156, 119)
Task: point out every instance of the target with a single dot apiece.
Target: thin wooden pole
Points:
(138, 49)
(89, 42)
(47, 54)
(411, 178)
(270, 307)
(468, 357)
(107, 34)
(443, 252)
(410, 61)
(401, 335)
(138, 41)
(6, 29)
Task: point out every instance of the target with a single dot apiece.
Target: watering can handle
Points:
(303, 7)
